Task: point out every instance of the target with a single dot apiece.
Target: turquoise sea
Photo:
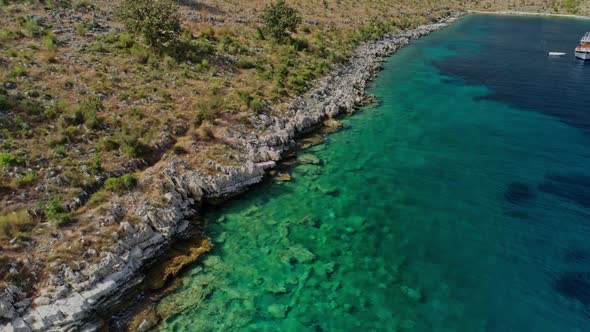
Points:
(461, 202)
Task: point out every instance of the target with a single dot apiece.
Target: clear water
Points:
(460, 203)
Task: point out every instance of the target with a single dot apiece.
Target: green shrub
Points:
(205, 131)
(56, 213)
(108, 144)
(85, 113)
(27, 179)
(156, 20)
(207, 110)
(377, 29)
(55, 110)
(246, 63)
(256, 105)
(301, 44)
(191, 50)
(95, 166)
(82, 29)
(120, 184)
(16, 224)
(91, 119)
(252, 102)
(571, 6)
(132, 147)
(259, 34)
(84, 5)
(92, 104)
(4, 103)
(62, 219)
(124, 41)
(49, 42)
(72, 117)
(98, 47)
(142, 54)
(17, 70)
(6, 35)
(29, 106)
(169, 62)
(298, 80)
(179, 150)
(228, 44)
(31, 26)
(60, 151)
(7, 159)
(137, 114)
(280, 20)
(89, 109)
(53, 207)
(67, 134)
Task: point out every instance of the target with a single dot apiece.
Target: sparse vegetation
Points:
(55, 212)
(205, 132)
(133, 147)
(108, 144)
(571, 6)
(26, 179)
(7, 159)
(16, 225)
(120, 184)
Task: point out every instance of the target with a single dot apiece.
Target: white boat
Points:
(583, 50)
(556, 54)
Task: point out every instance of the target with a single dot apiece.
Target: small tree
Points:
(156, 20)
(280, 20)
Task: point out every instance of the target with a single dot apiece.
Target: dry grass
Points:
(15, 225)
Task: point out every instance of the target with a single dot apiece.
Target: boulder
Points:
(308, 159)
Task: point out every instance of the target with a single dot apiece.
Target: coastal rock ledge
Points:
(74, 300)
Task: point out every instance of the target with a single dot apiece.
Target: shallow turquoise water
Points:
(456, 204)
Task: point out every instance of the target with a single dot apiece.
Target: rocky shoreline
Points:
(73, 300)
(521, 13)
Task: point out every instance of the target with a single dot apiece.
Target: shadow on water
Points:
(573, 187)
(574, 285)
(519, 193)
(576, 255)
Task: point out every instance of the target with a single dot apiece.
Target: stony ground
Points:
(88, 112)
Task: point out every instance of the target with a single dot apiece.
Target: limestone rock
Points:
(333, 123)
(284, 177)
(308, 159)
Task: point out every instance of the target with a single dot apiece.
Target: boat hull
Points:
(583, 55)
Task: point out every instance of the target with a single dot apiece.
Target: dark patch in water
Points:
(333, 192)
(518, 193)
(516, 214)
(574, 285)
(452, 80)
(576, 255)
(575, 188)
(515, 78)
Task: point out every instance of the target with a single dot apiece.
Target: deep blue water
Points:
(512, 62)
(460, 203)
(544, 282)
